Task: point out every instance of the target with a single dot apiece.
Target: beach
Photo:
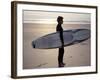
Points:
(75, 55)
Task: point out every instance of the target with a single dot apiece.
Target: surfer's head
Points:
(60, 19)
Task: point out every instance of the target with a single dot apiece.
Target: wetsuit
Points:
(61, 49)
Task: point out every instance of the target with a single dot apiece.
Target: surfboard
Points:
(81, 34)
(52, 40)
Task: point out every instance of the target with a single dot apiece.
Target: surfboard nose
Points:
(33, 45)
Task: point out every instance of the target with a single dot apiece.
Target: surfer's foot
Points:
(61, 64)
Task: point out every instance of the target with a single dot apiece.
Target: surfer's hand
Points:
(62, 44)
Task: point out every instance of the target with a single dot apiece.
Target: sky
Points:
(46, 17)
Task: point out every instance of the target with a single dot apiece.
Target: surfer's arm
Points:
(61, 37)
(60, 30)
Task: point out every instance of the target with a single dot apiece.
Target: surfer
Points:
(61, 49)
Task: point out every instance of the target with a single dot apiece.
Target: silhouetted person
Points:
(61, 49)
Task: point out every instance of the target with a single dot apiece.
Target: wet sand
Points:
(74, 56)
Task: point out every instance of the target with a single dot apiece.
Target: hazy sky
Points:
(50, 17)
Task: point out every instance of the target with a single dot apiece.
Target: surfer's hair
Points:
(59, 18)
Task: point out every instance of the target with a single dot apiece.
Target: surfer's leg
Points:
(62, 54)
(60, 57)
